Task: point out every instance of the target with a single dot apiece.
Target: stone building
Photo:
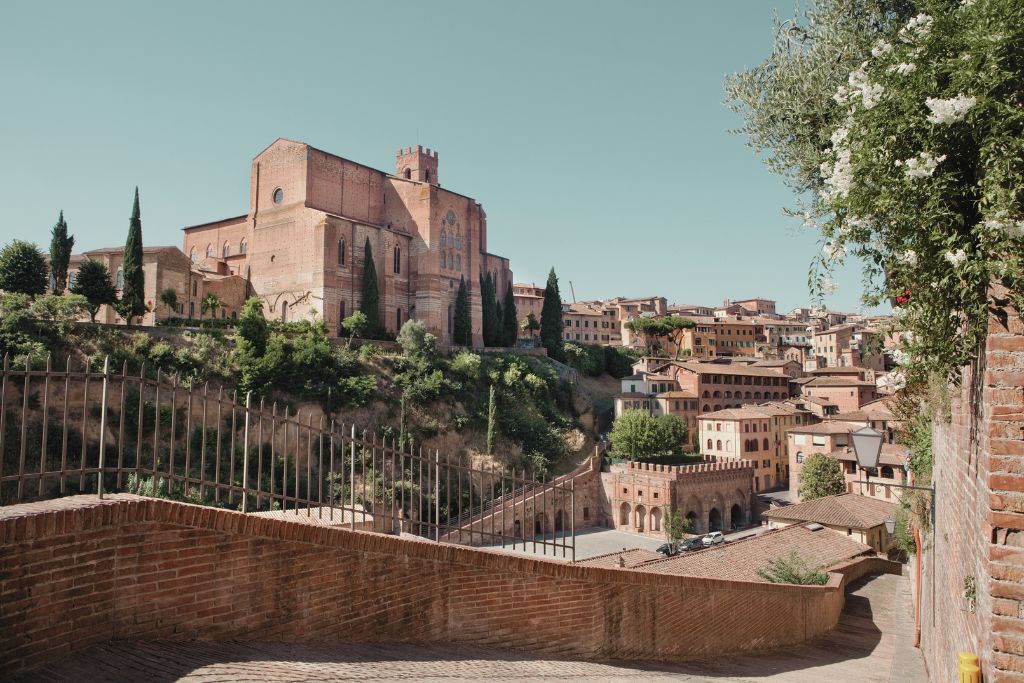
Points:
(311, 213)
(859, 517)
(528, 299)
(833, 439)
(166, 268)
(754, 433)
(713, 495)
(848, 393)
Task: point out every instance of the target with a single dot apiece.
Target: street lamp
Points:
(867, 444)
(890, 526)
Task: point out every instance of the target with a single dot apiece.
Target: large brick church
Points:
(301, 244)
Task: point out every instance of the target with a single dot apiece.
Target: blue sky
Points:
(593, 133)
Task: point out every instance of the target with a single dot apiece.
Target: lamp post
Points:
(867, 446)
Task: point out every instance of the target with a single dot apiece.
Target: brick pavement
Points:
(873, 644)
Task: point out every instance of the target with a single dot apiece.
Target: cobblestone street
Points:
(873, 644)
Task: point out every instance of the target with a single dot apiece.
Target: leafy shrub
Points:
(792, 569)
(466, 364)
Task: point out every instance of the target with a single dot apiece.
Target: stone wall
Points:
(979, 475)
(78, 571)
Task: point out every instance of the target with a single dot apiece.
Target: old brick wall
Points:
(979, 537)
(77, 571)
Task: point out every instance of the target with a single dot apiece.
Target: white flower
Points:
(957, 257)
(922, 166)
(917, 28)
(828, 286)
(908, 257)
(966, 3)
(1007, 225)
(839, 136)
(903, 68)
(871, 95)
(895, 381)
(834, 251)
(900, 357)
(842, 95)
(860, 86)
(880, 48)
(949, 111)
(838, 177)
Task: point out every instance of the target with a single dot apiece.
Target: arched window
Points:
(458, 262)
(341, 311)
(444, 261)
(764, 444)
(710, 446)
(799, 457)
(444, 238)
(753, 444)
(407, 173)
(426, 175)
(398, 318)
(195, 287)
(284, 311)
(341, 251)
(757, 394)
(209, 251)
(243, 247)
(718, 445)
(705, 409)
(728, 445)
(458, 240)
(225, 251)
(717, 394)
(451, 262)
(119, 281)
(706, 394)
(192, 255)
(398, 260)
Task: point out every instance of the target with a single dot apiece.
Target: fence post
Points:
(103, 426)
(572, 515)
(245, 454)
(352, 478)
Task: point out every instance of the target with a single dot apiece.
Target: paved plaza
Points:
(872, 644)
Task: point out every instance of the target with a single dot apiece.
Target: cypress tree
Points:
(462, 334)
(60, 254)
(133, 293)
(510, 322)
(499, 331)
(487, 309)
(551, 318)
(492, 413)
(370, 304)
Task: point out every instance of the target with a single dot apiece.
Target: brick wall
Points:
(979, 475)
(78, 571)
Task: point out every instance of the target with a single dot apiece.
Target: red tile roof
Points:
(844, 510)
(740, 560)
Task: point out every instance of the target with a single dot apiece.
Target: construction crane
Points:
(572, 291)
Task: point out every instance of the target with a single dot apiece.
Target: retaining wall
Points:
(78, 571)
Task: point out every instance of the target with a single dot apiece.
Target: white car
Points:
(713, 538)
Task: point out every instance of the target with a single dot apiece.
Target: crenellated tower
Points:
(417, 163)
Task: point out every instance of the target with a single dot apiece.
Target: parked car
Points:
(667, 549)
(695, 543)
(713, 538)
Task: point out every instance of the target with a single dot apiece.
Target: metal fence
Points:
(80, 430)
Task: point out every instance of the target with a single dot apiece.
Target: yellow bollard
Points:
(968, 667)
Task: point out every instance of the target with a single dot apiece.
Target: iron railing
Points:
(73, 431)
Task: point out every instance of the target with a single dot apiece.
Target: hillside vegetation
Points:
(427, 398)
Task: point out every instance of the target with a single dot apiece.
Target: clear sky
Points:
(592, 132)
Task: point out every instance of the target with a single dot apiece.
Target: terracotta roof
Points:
(740, 560)
(835, 370)
(774, 363)
(829, 427)
(632, 394)
(819, 401)
(677, 393)
(844, 510)
(632, 558)
(723, 369)
(744, 413)
(838, 382)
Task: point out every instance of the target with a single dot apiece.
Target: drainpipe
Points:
(917, 590)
